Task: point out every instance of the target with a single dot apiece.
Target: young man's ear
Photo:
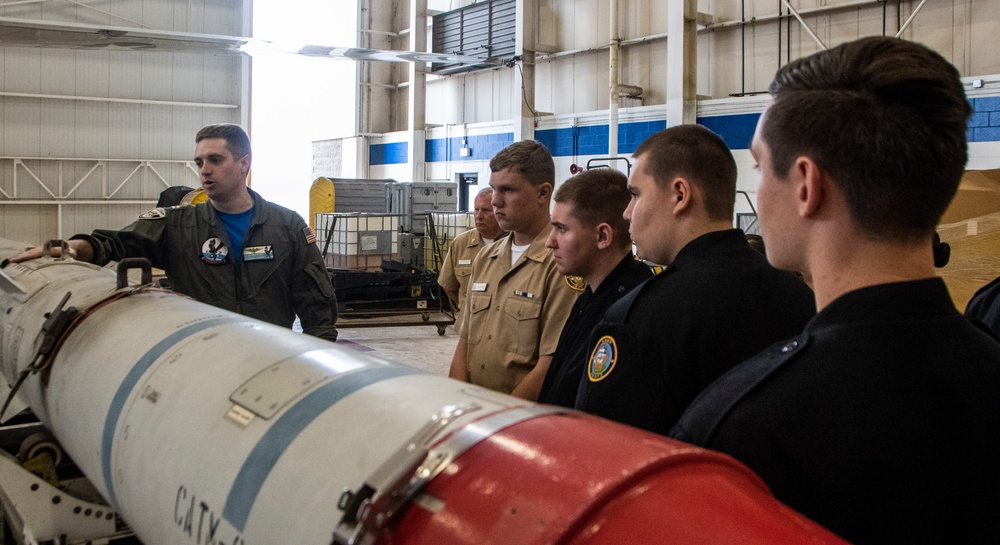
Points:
(680, 193)
(544, 191)
(810, 183)
(605, 236)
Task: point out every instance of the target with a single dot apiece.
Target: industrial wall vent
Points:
(484, 29)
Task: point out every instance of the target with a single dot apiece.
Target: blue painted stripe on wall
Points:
(985, 134)
(984, 125)
(987, 104)
(736, 130)
(482, 147)
(979, 119)
(631, 135)
(393, 153)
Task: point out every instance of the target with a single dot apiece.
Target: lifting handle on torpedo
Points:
(63, 248)
(134, 263)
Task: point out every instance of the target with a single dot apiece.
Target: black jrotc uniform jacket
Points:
(717, 304)
(567, 367)
(881, 421)
(279, 274)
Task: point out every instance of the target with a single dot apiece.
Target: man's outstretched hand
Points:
(78, 249)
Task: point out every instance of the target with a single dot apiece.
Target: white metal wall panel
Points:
(125, 75)
(186, 82)
(93, 73)
(982, 46)
(499, 84)
(58, 126)
(28, 223)
(124, 131)
(156, 76)
(381, 96)
(93, 128)
(22, 70)
(221, 81)
(158, 128)
(101, 216)
(22, 119)
(57, 121)
(731, 60)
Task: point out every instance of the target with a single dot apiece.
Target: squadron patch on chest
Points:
(214, 251)
(602, 359)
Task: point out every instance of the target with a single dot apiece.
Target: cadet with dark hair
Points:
(716, 304)
(589, 239)
(236, 251)
(517, 302)
(881, 420)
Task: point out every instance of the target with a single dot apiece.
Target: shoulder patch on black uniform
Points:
(577, 283)
(310, 236)
(154, 214)
(602, 359)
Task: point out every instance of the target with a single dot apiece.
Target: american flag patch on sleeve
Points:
(310, 236)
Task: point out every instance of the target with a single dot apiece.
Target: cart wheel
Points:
(425, 317)
(441, 329)
(37, 443)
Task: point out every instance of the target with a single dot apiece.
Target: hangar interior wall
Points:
(733, 58)
(740, 46)
(88, 138)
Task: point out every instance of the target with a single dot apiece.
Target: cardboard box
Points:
(978, 195)
(369, 262)
(971, 226)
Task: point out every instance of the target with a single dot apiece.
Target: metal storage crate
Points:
(447, 225)
(357, 241)
(410, 200)
(359, 195)
(380, 274)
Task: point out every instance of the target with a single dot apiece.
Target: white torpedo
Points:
(200, 426)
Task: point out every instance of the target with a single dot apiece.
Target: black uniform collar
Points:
(915, 299)
(729, 239)
(617, 276)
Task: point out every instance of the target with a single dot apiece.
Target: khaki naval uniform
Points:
(513, 314)
(457, 264)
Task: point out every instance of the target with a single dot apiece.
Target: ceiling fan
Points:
(33, 33)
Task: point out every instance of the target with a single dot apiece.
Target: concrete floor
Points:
(416, 346)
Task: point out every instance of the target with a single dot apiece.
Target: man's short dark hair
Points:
(599, 196)
(698, 155)
(236, 138)
(528, 158)
(887, 119)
